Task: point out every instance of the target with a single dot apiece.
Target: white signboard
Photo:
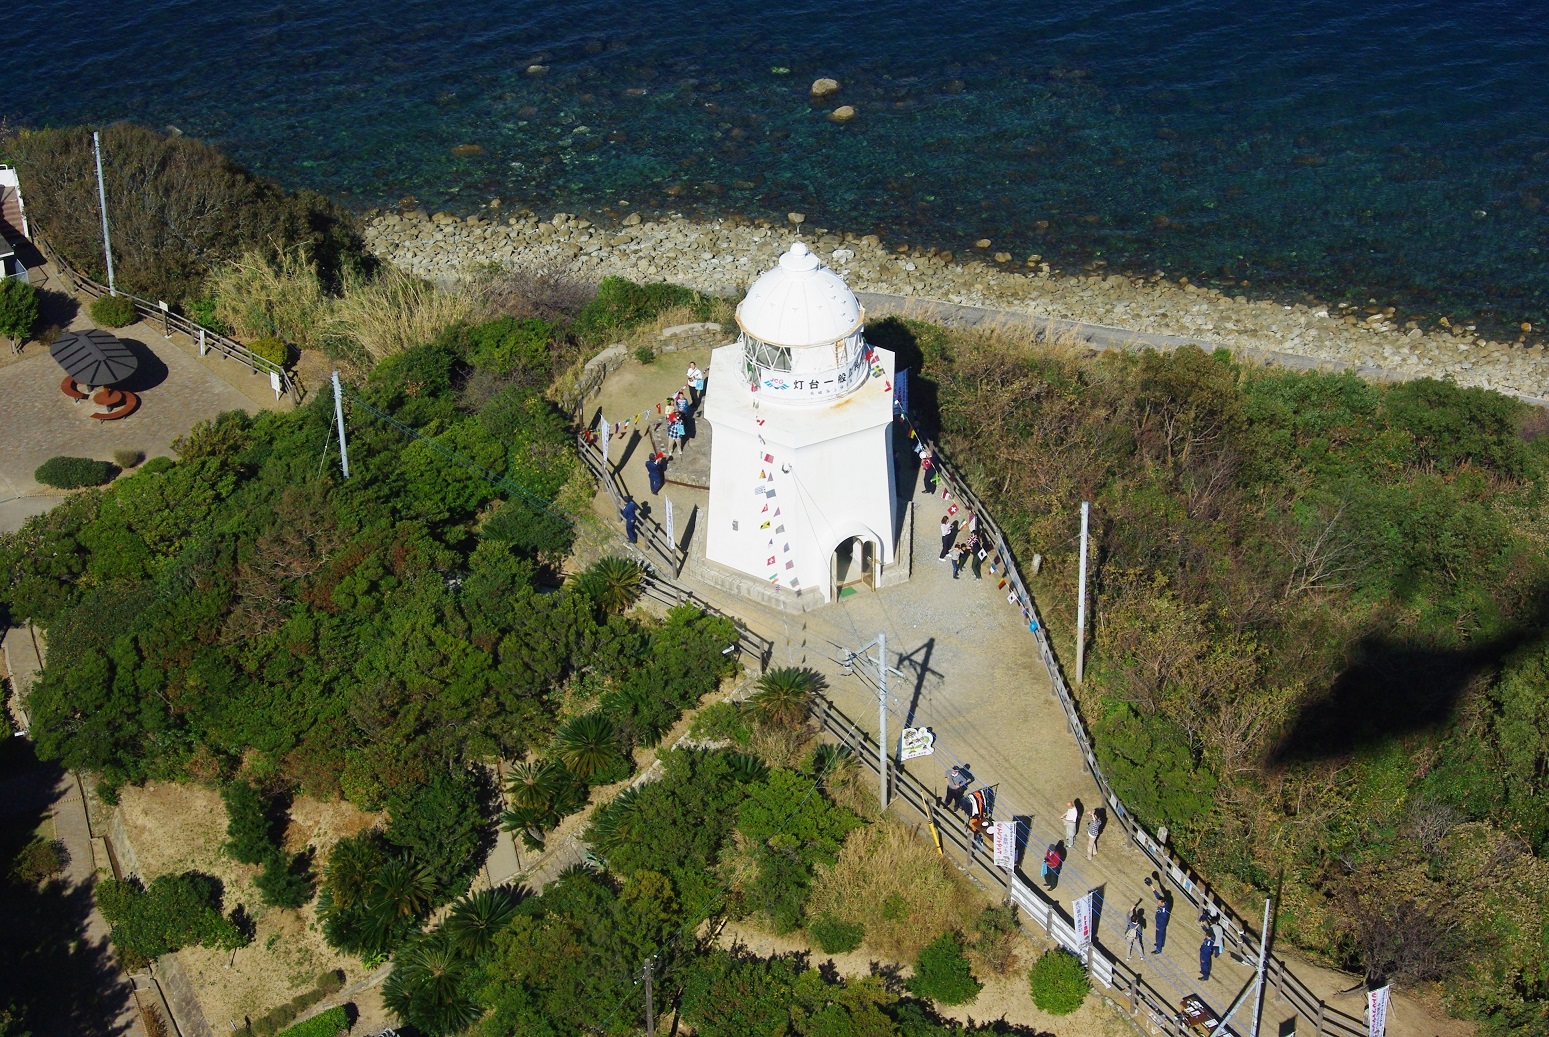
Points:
(604, 433)
(1081, 916)
(1377, 1010)
(672, 536)
(916, 741)
(1005, 844)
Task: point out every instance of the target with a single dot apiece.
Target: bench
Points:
(68, 388)
(131, 403)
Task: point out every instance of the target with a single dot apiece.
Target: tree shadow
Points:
(63, 981)
(56, 311)
(1391, 688)
(151, 372)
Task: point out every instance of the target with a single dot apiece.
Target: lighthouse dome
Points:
(800, 303)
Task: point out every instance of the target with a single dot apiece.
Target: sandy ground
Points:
(178, 827)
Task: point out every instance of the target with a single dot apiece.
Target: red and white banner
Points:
(1081, 916)
(1005, 844)
(1377, 1010)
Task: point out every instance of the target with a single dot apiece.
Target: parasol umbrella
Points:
(94, 357)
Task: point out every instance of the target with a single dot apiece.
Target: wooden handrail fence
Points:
(208, 341)
(1241, 937)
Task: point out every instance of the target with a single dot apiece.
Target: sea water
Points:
(1396, 151)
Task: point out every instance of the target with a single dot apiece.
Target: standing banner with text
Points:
(1081, 916)
(1377, 1010)
(672, 536)
(604, 433)
(1005, 844)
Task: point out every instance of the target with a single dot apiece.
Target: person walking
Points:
(696, 383)
(1071, 817)
(957, 783)
(976, 552)
(948, 534)
(1094, 828)
(655, 470)
(1206, 955)
(631, 514)
(1135, 932)
(675, 435)
(1053, 859)
(1164, 910)
(928, 471)
(959, 559)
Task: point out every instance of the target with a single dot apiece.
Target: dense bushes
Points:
(72, 473)
(173, 911)
(330, 1023)
(621, 305)
(162, 192)
(272, 349)
(1059, 982)
(113, 311)
(18, 309)
(942, 973)
(39, 860)
(1323, 615)
(835, 936)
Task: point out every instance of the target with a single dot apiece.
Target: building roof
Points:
(800, 303)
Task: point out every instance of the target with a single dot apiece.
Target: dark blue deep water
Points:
(1390, 150)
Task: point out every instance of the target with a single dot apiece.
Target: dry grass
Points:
(896, 885)
(781, 746)
(394, 311)
(278, 295)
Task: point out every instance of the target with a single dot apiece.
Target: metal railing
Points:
(208, 341)
(1240, 936)
(654, 533)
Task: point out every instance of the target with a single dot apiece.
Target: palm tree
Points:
(588, 746)
(781, 699)
(477, 917)
(402, 889)
(533, 787)
(427, 988)
(614, 583)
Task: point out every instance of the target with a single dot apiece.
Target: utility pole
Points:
(338, 413)
(650, 1003)
(1086, 508)
(882, 752)
(1258, 982)
(880, 644)
(102, 197)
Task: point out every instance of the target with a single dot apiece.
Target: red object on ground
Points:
(68, 388)
(131, 403)
(106, 397)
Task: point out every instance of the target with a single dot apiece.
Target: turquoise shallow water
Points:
(1391, 150)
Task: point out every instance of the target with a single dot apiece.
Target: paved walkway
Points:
(177, 388)
(973, 674)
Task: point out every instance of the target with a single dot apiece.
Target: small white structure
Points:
(801, 461)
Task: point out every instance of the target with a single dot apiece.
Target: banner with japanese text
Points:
(1377, 1010)
(1081, 916)
(1005, 844)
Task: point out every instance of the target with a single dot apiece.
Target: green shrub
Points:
(1059, 982)
(942, 974)
(127, 459)
(331, 982)
(70, 473)
(286, 880)
(721, 721)
(202, 312)
(18, 309)
(39, 861)
(335, 1020)
(249, 829)
(271, 349)
(113, 311)
(621, 305)
(645, 354)
(174, 911)
(834, 936)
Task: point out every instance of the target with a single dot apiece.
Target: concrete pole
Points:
(338, 413)
(1258, 987)
(650, 1004)
(882, 752)
(1086, 508)
(102, 197)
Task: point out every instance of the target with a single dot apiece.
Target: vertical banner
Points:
(672, 534)
(901, 393)
(604, 433)
(1377, 1010)
(1081, 916)
(1005, 844)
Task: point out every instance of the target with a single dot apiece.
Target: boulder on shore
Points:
(843, 114)
(824, 87)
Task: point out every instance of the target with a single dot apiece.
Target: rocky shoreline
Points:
(724, 257)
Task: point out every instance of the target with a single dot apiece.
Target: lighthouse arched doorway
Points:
(854, 566)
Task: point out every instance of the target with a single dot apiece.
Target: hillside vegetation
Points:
(1320, 653)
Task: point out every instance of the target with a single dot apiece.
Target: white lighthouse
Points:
(801, 463)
